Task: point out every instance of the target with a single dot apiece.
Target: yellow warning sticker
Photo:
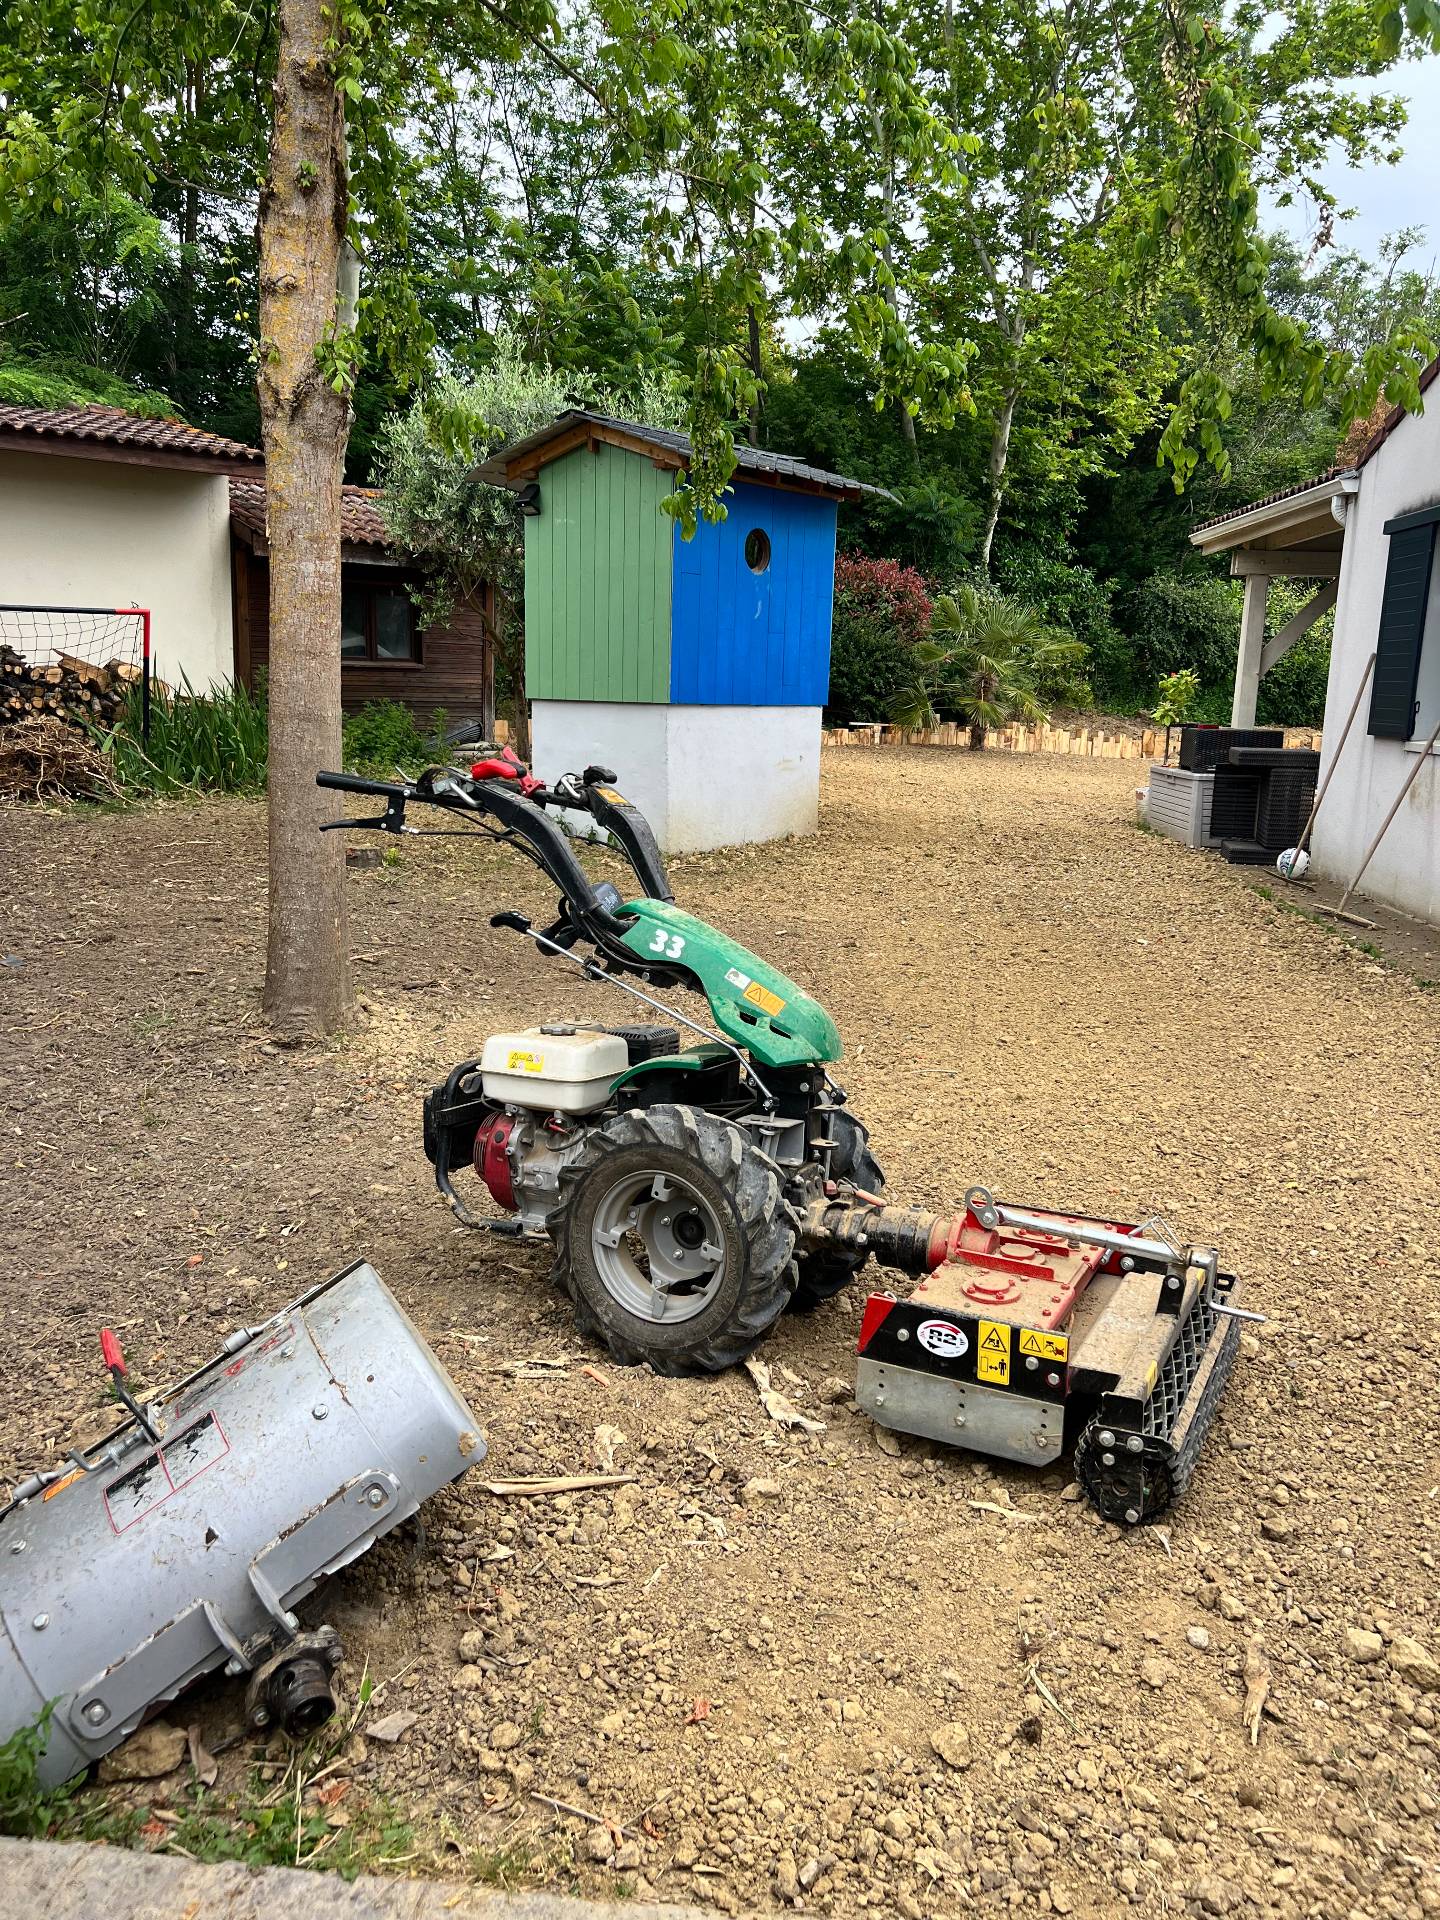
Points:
(762, 997)
(1044, 1346)
(992, 1353)
(520, 1062)
(615, 799)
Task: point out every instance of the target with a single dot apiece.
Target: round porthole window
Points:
(757, 550)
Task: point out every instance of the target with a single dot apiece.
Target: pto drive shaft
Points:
(907, 1238)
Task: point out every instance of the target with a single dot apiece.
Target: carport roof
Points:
(1297, 516)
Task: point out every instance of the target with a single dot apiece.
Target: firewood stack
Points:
(80, 691)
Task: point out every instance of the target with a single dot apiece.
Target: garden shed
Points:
(696, 669)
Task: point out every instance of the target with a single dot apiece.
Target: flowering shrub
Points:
(881, 609)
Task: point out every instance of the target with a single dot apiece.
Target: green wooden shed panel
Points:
(598, 576)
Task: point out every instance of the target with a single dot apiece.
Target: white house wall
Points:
(77, 532)
(1402, 476)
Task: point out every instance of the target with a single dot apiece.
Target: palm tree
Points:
(989, 658)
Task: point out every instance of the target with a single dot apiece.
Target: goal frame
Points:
(142, 614)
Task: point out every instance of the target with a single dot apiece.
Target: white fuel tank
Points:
(554, 1069)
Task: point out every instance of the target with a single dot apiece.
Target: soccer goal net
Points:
(64, 658)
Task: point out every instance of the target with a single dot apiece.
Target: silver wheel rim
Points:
(658, 1247)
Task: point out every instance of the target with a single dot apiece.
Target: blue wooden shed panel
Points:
(755, 639)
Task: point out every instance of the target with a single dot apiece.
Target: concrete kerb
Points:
(41, 1880)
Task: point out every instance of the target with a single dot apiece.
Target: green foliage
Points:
(293, 1833)
(1292, 693)
(462, 531)
(385, 735)
(1175, 697)
(27, 1810)
(1064, 593)
(1172, 621)
(869, 664)
(1024, 245)
(215, 742)
(50, 381)
(991, 659)
(285, 1827)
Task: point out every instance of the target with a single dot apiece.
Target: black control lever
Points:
(592, 774)
(391, 821)
(516, 922)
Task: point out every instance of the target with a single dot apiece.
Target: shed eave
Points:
(516, 465)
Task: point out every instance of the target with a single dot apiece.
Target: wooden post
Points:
(1252, 646)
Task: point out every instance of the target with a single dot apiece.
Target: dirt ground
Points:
(1033, 994)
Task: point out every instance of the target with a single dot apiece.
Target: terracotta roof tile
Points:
(361, 524)
(113, 426)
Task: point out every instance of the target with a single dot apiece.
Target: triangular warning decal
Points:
(996, 1341)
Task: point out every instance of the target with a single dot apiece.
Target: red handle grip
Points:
(110, 1348)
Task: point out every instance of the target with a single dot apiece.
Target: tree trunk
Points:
(977, 735)
(755, 364)
(510, 647)
(889, 294)
(305, 424)
(184, 341)
(999, 455)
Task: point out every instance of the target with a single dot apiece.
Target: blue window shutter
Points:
(1402, 623)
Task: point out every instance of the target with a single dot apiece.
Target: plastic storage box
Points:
(1177, 803)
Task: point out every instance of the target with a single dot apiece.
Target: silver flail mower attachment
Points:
(184, 1541)
(1033, 1331)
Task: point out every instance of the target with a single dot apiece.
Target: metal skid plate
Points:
(961, 1414)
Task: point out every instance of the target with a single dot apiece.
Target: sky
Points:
(1386, 198)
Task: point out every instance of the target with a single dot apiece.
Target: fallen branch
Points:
(562, 1483)
(584, 1813)
(1005, 1513)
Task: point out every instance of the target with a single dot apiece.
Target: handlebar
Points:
(587, 910)
(356, 783)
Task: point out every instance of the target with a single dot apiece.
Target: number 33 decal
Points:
(672, 945)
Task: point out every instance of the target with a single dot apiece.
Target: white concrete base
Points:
(703, 776)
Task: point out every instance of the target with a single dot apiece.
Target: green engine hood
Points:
(753, 1004)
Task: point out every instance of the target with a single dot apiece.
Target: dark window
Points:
(1402, 627)
(757, 550)
(377, 622)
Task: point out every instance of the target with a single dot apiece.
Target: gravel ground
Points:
(807, 1670)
